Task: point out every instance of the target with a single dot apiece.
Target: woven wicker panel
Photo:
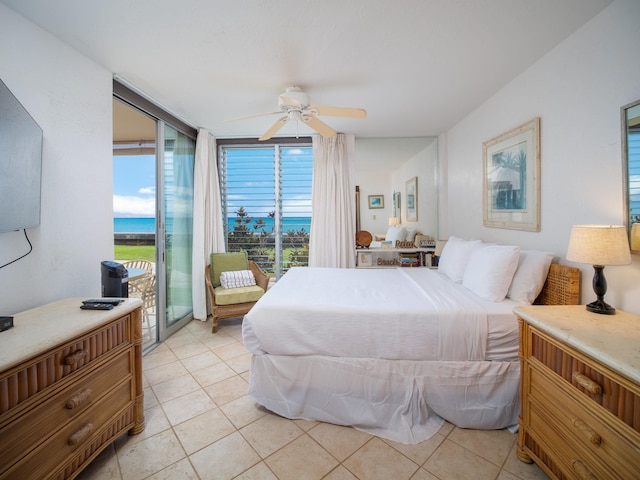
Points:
(562, 286)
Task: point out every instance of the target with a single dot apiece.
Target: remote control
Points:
(96, 306)
(110, 301)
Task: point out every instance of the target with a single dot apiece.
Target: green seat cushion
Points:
(232, 296)
(227, 262)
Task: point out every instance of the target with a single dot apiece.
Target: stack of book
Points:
(410, 260)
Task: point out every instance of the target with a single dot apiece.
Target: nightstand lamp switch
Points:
(599, 245)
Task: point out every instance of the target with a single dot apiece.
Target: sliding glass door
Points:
(176, 163)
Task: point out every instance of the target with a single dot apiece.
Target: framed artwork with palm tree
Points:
(511, 179)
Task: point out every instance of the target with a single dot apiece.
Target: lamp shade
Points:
(599, 245)
(393, 221)
(635, 236)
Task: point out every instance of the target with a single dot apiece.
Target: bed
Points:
(394, 352)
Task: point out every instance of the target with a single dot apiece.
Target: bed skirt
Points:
(403, 401)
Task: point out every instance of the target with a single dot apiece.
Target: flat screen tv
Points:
(20, 165)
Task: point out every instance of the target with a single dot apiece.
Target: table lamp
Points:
(393, 221)
(599, 245)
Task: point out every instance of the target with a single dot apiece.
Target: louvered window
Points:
(266, 201)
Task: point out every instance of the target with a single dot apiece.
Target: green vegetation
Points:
(122, 253)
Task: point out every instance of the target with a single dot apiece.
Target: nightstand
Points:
(580, 393)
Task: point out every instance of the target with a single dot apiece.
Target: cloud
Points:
(134, 206)
(147, 191)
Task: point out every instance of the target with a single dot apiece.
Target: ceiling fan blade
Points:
(339, 111)
(319, 126)
(252, 116)
(274, 128)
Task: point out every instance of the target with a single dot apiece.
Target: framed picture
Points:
(511, 179)
(411, 198)
(376, 201)
(396, 205)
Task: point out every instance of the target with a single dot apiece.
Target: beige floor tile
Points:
(140, 460)
(306, 425)
(164, 372)
(203, 430)
(231, 350)
(241, 363)
(213, 374)
(217, 340)
(160, 356)
(228, 390)
(339, 441)
(200, 361)
(224, 459)
(451, 460)
(155, 421)
(188, 406)
(340, 473)
(181, 470)
(422, 474)
(493, 445)
(175, 388)
(270, 433)
(257, 472)
(524, 471)
(190, 349)
(180, 338)
(243, 411)
(379, 461)
(420, 452)
(301, 459)
(104, 467)
(150, 399)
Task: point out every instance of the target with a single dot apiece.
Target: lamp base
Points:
(600, 306)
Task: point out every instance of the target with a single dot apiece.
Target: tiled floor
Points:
(200, 424)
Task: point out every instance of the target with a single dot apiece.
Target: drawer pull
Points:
(77, 437)
(589, 432)
(586, 383)
(78, 399)
(75, 357)
(583, 471)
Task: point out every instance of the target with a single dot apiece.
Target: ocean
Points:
(148, 225)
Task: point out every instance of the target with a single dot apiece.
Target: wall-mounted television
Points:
(20, 165)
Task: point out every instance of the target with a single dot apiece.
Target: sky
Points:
(134, 186)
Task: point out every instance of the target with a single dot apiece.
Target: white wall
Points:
(577, 90)
(70, 98)
(383, 165)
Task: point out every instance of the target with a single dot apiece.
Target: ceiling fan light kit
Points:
(294, 103)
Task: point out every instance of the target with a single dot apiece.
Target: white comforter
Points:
(403, 313)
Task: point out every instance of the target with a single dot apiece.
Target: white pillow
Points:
(237, 278)
(411, 234)
(490, 271)
(530, 276)
(395, 233)
(454, 257)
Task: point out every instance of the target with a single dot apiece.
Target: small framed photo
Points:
(376, 201)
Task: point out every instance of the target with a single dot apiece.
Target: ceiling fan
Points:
(294, 104)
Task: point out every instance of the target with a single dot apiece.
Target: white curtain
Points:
(208, 230)
(332, 239)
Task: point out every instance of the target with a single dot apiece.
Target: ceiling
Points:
(417, 66)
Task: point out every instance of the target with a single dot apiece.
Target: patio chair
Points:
(137, 285)
(233, 301)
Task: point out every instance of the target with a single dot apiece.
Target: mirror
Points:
(631, 172)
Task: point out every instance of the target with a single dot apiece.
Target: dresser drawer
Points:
(589, 381)
(52, 414)
(27, 383)
(74, 436)
(594, 443)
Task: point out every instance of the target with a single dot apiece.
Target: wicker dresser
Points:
(70, 383)
(580, 392)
